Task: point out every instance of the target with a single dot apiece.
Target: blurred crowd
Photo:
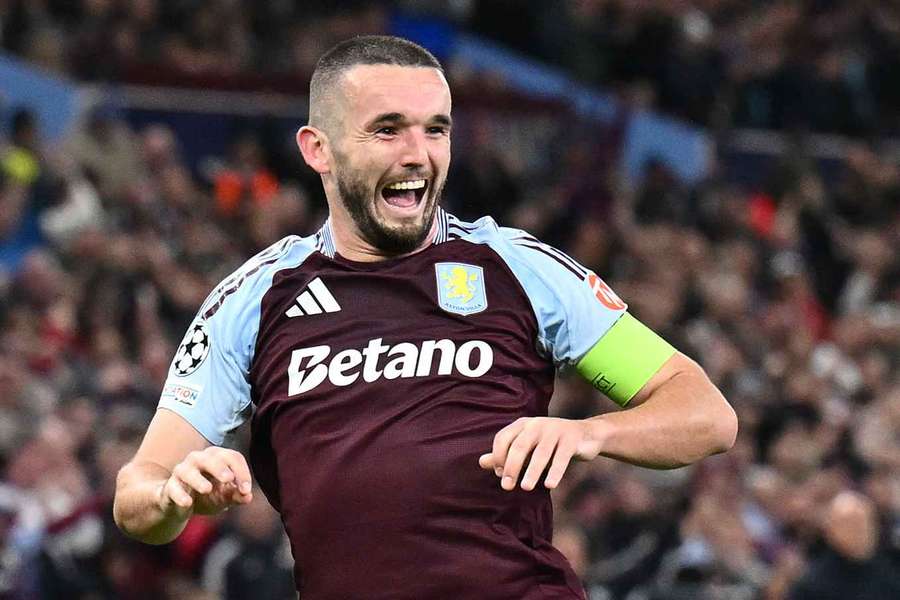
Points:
(788, 295)
(824, 65)
(787, 292)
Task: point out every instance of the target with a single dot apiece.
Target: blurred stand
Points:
(770, 256)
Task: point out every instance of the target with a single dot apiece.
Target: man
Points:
(391, 355)
(849, 564)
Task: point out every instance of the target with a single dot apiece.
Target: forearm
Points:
(138, 510)
(682, 421)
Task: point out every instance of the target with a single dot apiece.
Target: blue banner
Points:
(54, 100)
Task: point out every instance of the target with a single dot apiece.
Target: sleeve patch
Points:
(604, 293)
(193, 349)
(182, 393)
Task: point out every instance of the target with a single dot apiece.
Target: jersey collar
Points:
(325, 235)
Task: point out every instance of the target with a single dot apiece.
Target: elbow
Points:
(721, 421)
(713, 431)
(724, 429)
(136, 511)
(715, 421)
(120, 516)
(125, 517)
(118, 519)
(126, 524)
(128, 527)
(134, 528)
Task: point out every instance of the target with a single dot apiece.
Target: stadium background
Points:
(730, 167)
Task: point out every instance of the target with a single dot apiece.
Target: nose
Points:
(415, 150)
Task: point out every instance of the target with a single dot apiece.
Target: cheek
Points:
(360, 165)
(440, 156)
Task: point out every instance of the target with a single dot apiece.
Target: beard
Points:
(359, 200)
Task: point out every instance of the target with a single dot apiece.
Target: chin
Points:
(398, 236)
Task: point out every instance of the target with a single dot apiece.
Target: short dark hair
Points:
(362, 50)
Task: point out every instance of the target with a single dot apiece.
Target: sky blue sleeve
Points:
(573, 306)
(208, 380)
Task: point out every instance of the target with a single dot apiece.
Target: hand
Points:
(545, 438)
(207, 482)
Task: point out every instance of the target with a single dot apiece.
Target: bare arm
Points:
(678, 417)
(176, 473)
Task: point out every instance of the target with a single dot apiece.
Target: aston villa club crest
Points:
(460, 288)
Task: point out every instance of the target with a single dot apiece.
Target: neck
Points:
(351, 245)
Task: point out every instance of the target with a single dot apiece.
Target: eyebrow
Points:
(395, 117)
(442, 120)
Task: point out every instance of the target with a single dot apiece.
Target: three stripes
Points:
(315, 300)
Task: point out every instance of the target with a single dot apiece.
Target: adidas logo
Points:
(315, 300)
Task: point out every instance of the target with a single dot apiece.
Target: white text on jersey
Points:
(308, 369)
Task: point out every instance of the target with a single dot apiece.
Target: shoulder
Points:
(517, 247)
(483, 230)
(250, 281)
(573, 307)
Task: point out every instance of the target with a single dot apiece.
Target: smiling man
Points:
(398, 367)
(383, 170)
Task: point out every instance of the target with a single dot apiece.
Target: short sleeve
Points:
(208, 383)
(574, 307)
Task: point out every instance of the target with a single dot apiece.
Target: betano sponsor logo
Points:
(309, 369)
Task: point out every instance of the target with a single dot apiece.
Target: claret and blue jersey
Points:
(374, 387)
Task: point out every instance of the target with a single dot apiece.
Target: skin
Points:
(677, 418)
(362, 152)
(176, 472)
(851, 526)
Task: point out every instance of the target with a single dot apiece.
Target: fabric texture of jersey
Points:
(373, 389)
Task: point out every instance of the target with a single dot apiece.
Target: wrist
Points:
(597, 432)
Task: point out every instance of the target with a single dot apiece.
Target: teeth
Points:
(407, 185)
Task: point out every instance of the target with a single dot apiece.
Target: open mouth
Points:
(405, 194)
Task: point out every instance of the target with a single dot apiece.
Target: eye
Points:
(438, 130)
(386, 131)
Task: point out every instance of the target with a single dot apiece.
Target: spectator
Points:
(786, 293)
(105, 148)
(245, 182)
(850, 563)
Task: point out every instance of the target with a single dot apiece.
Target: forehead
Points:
(415, 92)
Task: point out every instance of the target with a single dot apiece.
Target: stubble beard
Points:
(358, 198)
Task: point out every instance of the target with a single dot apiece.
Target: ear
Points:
(313, 144)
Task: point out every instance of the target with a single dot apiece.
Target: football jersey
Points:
(373, 388)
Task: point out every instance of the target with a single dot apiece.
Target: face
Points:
(391, 153)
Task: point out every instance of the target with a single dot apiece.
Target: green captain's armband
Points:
(624, 359)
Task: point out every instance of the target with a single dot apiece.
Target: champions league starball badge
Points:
(193, 350)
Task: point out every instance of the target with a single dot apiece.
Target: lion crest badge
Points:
(460, 288)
